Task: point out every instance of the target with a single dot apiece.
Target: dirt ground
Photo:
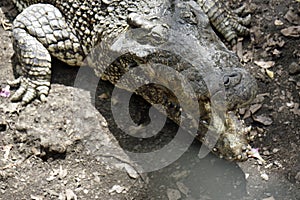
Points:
(47, 153)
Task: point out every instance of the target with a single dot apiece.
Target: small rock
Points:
(85, 191)
(253, 134)
(263, 120)
(54, 193)
(260, 130)
(180, 174)
(255, 107)
(10, 108)
(278, 164)
(182, 187)
(50, 178)
(6, 149)
(296, 109)
(297, 177)
(104, 124)
(36, 197)
(261, 97)
(292, 31)
(290, 104)
(132, 173)
(270, 73)
(266, 153)
(275, 150)
(62, 173)
(265, 64)
(269, 198)
(294, 68)
(70, 195)
(264, 176)
(103, 96)
(268, 165)
(173, 194)
(292, 16)
(118, 189)
(278, 22)
(247, 176)
(276, 52)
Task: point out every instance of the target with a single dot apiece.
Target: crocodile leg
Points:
(35, 61)
(40, 32)
(225, 21)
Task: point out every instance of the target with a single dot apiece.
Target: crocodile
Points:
(152, 34)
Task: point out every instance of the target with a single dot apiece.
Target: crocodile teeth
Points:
(255, 154)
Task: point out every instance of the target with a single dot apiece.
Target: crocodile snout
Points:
(240, 88)
(230, 80)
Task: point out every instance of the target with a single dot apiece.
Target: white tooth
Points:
(247, 129)
(239, 157)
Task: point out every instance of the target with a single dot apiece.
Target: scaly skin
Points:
(72, 30)
(228, 24)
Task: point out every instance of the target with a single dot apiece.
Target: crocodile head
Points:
(185, 43)
(237, 88)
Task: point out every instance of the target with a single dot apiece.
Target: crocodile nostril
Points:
(233, 75)
(226, 80)
(231, 79)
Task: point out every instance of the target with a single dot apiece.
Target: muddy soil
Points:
(73, 149)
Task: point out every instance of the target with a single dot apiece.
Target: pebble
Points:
(255, 107)
(268, 165)
(265, 120)
(247, 176)
(297, 177)
(275, 150)
(278, 164)
(278, 22)
(294, 68)
(266, 153)
(118, 189)
(173, 194)
(104, 124)
(34, 197)
(70, 194)
(264, 176)
(183, 188)
(269, 198)
(132, 173)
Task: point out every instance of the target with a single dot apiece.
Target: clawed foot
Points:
(228, 23)
(29, 89)
(5, 24)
